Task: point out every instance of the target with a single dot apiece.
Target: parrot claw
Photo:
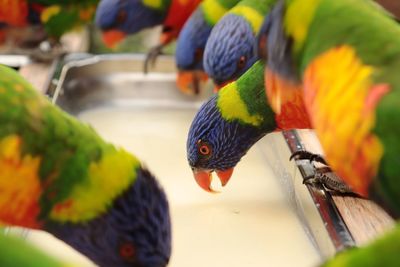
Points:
(303, 154)
(326, 177)
(151, 57)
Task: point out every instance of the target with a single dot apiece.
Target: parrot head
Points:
(118, 18)
(275, 47)
(134, 231)
(227, 125)
(189, 53)
(215, 144)
(229, 51)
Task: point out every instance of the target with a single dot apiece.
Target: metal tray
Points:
(253, 222)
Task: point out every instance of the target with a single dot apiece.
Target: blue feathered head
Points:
(230, 49)
(189, 53)
(217, 144)
(118, 18)
(192, 41)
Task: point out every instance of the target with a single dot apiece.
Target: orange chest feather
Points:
(293, 113)
(341, 98)
(14, 12)
(19, 185)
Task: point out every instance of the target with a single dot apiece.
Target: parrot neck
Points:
(213, 10)
(162, 5)
(105, 181)
(141, 202)
(297, 19)
(253, 11)
(245, 100)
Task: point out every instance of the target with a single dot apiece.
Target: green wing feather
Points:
(14, 252)
(76, 167)
(384, 251)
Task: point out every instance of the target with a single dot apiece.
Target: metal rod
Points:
(333, 221)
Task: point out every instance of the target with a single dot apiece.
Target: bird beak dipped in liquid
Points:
(204, 178)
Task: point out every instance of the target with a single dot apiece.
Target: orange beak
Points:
(218, 87)
(204, 178)
(112, 37)
(191, 82)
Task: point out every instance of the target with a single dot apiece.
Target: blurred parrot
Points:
(232, 121)
(62, 16)
(192, 41)
(18, 14)
(58, 175)
(230, 49)
(14, 252)
(27, 23)
(118, 18)
(384, 251)
(343, 56)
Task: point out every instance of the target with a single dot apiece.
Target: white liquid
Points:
(249, 224)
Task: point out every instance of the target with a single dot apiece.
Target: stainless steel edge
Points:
(333, 222)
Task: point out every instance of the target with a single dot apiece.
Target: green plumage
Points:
(15, 252)
(65, 146)
(384, 251)
(250, 87)
(207, 7)
(72, 14)
(58, 175)
(261, 6)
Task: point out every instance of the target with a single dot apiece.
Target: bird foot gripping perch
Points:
(322, 175)
(151, 57)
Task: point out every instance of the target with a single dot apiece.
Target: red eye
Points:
(198, 54)
(204, 148)
(242, 62)
(127, 251)
(121, 17)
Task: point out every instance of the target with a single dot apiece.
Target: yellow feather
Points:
(153, 3)
(232, 106)
(49, 12)
(251, 15)
(106, 180)
(213, 10)
(336, 93)
(297, 20)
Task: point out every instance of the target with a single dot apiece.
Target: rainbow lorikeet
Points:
(192, 41)
(14, 252)
(17, 14)
(343, 56)
(384, 251)
(118, 18)
(233, 120)
(61, 16)
(230, 49)
(58, 175)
